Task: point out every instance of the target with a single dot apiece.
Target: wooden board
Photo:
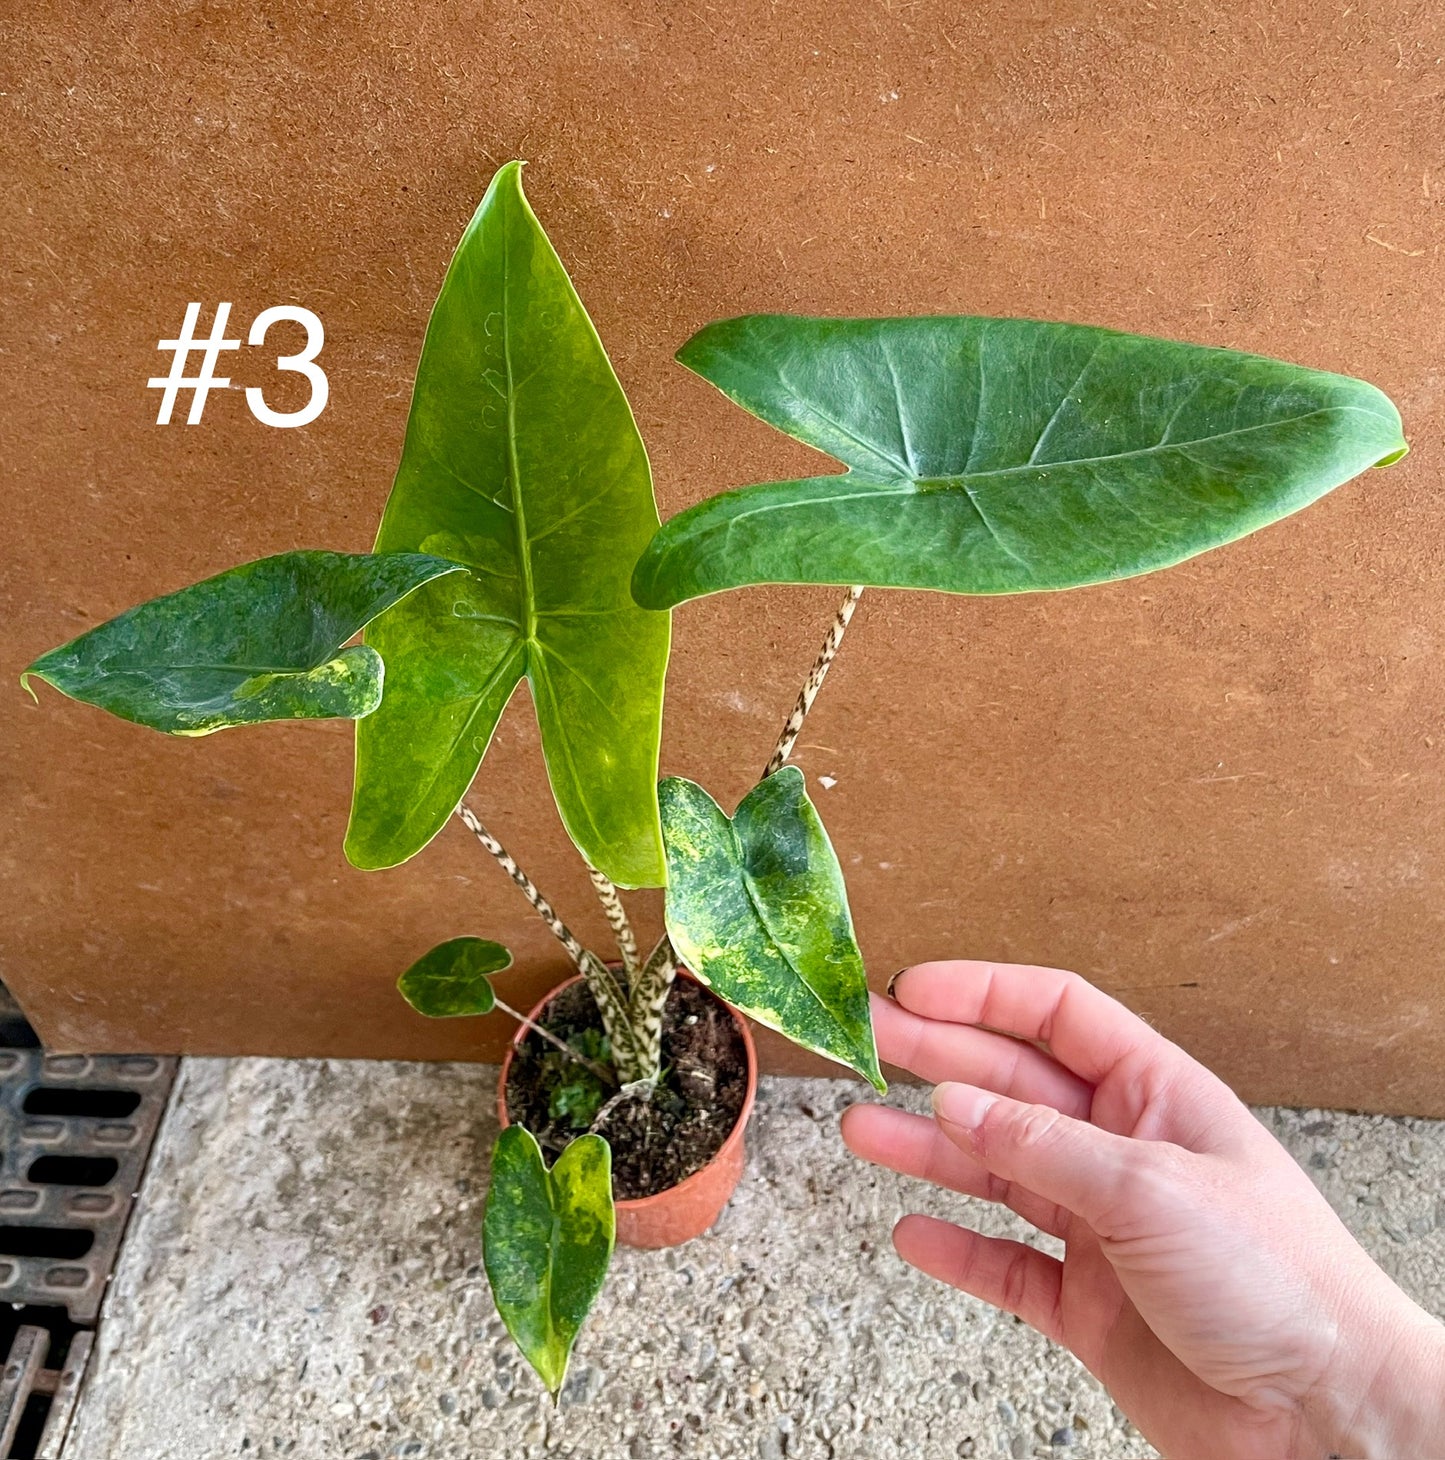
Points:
(1216, 792)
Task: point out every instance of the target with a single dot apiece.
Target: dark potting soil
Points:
(655, 1143)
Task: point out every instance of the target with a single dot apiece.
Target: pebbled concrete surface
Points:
(302, 1278)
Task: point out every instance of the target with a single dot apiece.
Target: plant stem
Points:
(605, 1075)
(611, 1001)
(648, 996)
(544, 910)
(814, 682)
(627, 1092)
(617, 917)
(653, 984)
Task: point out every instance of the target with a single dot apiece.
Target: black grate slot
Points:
(72, 1170)
(66, 1243)
(31, 1429)
(15, 1030)
(16, 1033)
(67, 1101)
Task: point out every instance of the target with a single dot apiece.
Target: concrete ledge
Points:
(302, 1278)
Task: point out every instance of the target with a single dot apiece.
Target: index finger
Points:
(937, 1050)
(1085, 1030)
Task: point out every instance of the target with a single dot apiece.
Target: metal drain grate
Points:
(75, 1132)
(36, 1402)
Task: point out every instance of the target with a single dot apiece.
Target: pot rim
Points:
(735, 1135)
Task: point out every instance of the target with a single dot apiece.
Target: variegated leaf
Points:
(756, 907)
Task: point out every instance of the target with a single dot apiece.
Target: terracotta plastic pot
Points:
(688, 1209)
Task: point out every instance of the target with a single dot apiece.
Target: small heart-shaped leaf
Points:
(547, 1243)
(757, 909)
(259, 642)
(455, 978)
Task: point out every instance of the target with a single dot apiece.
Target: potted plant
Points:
(521, 539)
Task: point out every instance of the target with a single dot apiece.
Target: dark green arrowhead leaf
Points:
(259, 642)
(455, 978)
(1003, 455)
(522, 460)
(547, 1239)
(757, 909)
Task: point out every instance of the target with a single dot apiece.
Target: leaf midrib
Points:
(166, 666)
(763, 922)
(553, 1244)
(906, 486)
(1112, 456)
(514, 476)
(444, 762)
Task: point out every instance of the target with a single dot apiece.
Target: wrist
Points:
(1386, 1398)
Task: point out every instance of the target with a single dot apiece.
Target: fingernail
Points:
(962, 1105)
(894, 980)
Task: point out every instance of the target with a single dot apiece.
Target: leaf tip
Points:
(361, 856)
(687, 351)
(377, 840)
(691, 352)
(507, 177)
(639, 861)
(1403, 450)
(25, 679)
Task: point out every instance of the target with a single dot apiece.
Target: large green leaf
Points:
(455, 978)
(547, 1242)
(259, 642)
(521, 460)
(757, 909)
(1002, 455)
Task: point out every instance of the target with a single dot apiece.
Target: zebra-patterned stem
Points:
(611, 1001)
(618, 920)
(563, 934)
(814, 682)
(628, 1054)
(649, 996)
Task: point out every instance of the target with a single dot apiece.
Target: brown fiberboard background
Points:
(1217, 792)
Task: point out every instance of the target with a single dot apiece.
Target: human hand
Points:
(1205, 1281)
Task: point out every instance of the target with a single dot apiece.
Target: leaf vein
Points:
(1059, 409)
(820, 414)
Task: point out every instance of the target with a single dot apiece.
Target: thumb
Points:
(1091, 1172)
